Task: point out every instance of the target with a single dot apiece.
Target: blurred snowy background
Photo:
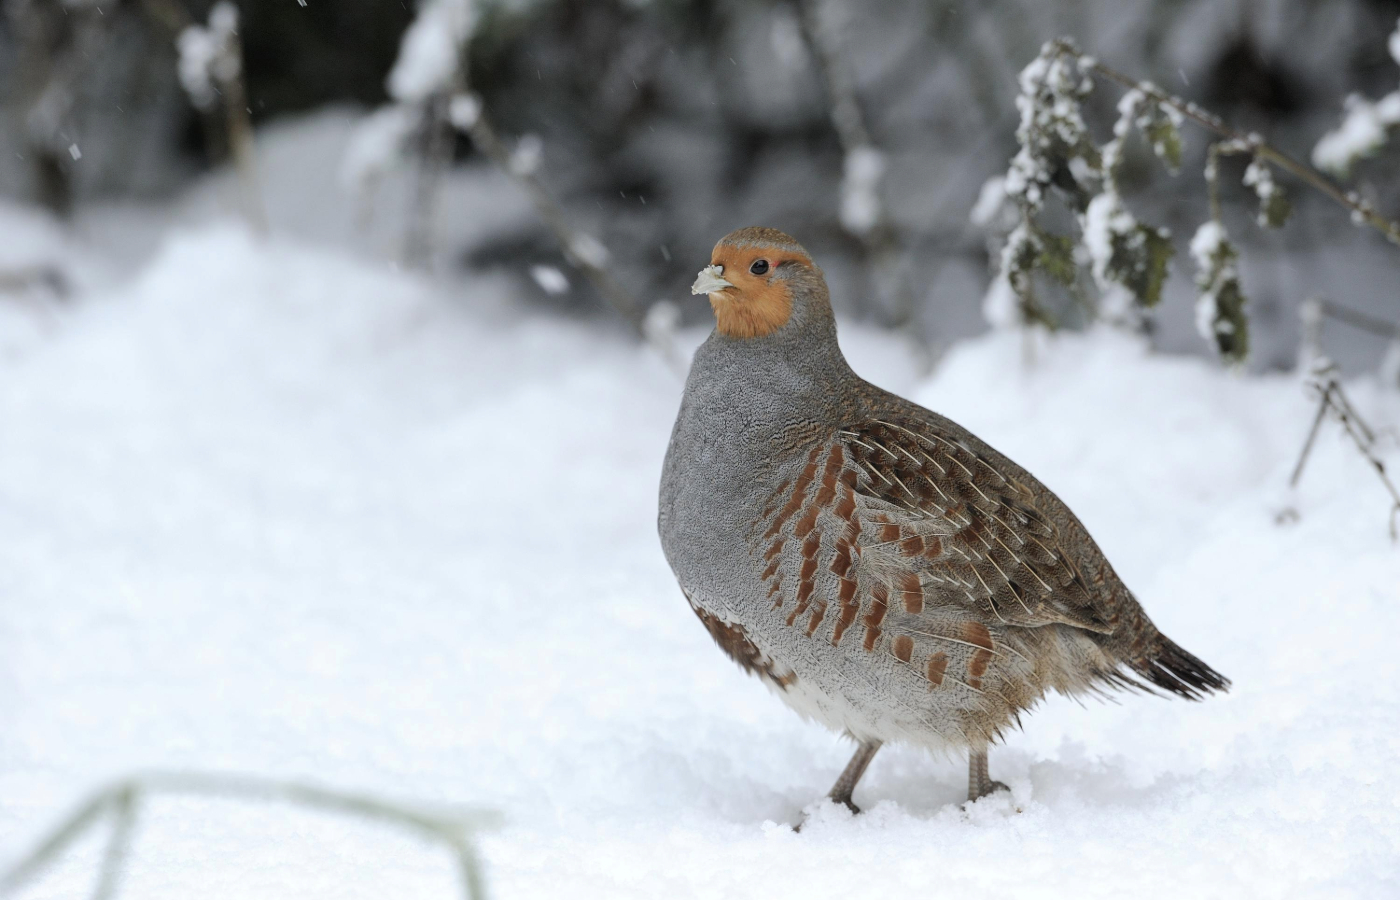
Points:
(329, 449)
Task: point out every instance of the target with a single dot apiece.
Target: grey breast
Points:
(748, 413)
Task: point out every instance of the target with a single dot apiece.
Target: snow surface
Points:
(277, 509)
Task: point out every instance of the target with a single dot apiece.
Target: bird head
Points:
(758, 280)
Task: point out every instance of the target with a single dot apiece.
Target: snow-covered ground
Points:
(275, 508)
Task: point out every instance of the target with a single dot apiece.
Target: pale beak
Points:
(709, 281)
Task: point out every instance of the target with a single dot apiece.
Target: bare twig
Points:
(1315, 310)
(54, 46)
(1312, 436)
(118, 845)
(1218, 149)
(1361, 320)
(1360, 210)
(1331, 398)
(451, 104)
(455, 828)
(582, 250)
(56, 842)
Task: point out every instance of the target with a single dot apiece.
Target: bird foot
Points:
(986, 789)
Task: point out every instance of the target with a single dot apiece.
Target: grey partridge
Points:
(884, 571)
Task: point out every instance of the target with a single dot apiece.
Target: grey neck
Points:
(798, 367)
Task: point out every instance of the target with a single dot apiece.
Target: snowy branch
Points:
(120, 802)
(1127, 259)
(1365, 129)
(206, 60)
(1361, 211)
(375, 146)
(430, 51)
(1220, 303)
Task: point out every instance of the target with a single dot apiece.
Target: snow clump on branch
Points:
(1127, 259)
(1365, 129)
(431, 50)
(1220, 304)
(207, 60)
(860, 184)
(431, 55)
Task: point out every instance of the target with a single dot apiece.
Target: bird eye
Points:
(759, 267)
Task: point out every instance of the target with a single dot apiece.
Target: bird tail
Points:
(1173, 669)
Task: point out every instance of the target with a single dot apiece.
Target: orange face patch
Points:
(755, 306)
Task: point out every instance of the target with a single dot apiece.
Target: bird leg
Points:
(845, 785)
(979, 783)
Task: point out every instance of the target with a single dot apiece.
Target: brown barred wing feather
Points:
(939, 514)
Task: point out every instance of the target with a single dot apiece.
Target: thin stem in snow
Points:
(432, 164)
(1331, 398)
(1308, 444)
(1361, 320)
(118, 845)
(240, 139)
(453, 828)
